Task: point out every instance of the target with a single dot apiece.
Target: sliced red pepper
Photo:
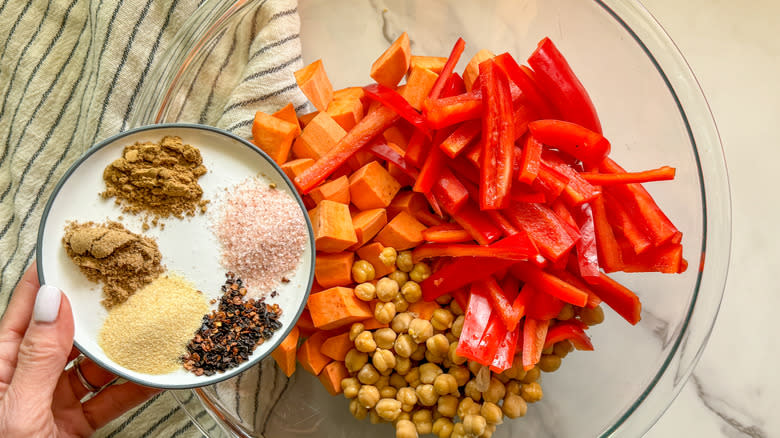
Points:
(531, 93)
(576, 281)
(393, 100)
(494, 335)
(518, 248)
(464, 169)
(432, 167)
(566, 218)
(666, 258)
(461, 296)
(618, 297)
(502, 304)
(550, 284)
(446, 233)
(498, 138)
(454, 86)
(480, 227)
(523, 298)
(573, 331)
(608, 250)
(539, 305)
(417, 148)
(549, 181)
(523, 193)
(475, 322)
(447, 111)
(577, 191)
(385, 152)
(522, 116)
(562, 87)
(446, 71)
(587, 251)
(622, 221)
(373, 124)
(534, 335)
(543, 227)
(501, 222)
(450, 192)
(427, 218)
(664, 173)
(529, 160)
(461, 137)
(588, 146)
(505, 354)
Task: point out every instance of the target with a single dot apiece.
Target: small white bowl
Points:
(188, 246)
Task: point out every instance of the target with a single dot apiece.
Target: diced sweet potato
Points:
(337, 307)
(393, 64)
(273, 136)
(332, 225)
(423, 309)
(370, 253)
(418, 86)
(432, 63)
(305, 324)
(472, 68)
(310, 355)
(399, 175)
(336, 347)
(294, 168)
(395, 136)
(367, 223)
(346, 112)
(288, 114)
(307, 118)
(403, 232)
(372, 186)
(373, 324)
(332, 375)
(318, 137)
(334, 269)
(284, 354)
(349, 93)
(336, 190)
(410, 202)
(314, 82)
(360, 159)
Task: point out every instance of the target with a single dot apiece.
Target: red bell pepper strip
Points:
(664, 173)
(531, 93)
(523, 193)
(577, 191)
(539, 305)
(608, 250)
(505, 354)
(498, 138)
(588, 146)
(550, 284)
(562, 87)
(534, 335)
(549, 181)
(502, 304)
(449, 191)
(520, 248)
(587, 251)
(476, 321)
(576, 281)
(446, 71)
(495, 332)
(622, 221)
(501, 222)
(432, 167)
(461, 137)
(373, 124)
(522, 115)
(461, 296)
(464, 169)
(393, 100)
(566, 218)
(618, 297)
(447, 111)
(427, 218)
(523, 298)
(571, 330)
(543, 227)
(666, 258)
(454, 86)
(642, 207)
(417, 148)
(446, 233)
(385, 152)
(529, 160)
(480, 227)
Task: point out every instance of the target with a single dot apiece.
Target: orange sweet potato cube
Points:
(285, 353)
(393, 64)
(403, 232)
(334, 190)
(367, 223)
(432, 63)
(395, 136)
(294, 168)
(334, 269)
(332, 375)
(332, 226)
(273, 136)
(418, 86)
(314, 82)
(370, 253)
(310, 355)
(336, 347)
(407, 201)
(372, 186)
(472, 68)
(346, 112)
(337, 307)
(288, 114)
(307, 118)
(349, 93)
(318, 137)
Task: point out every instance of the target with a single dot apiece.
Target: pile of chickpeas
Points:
(410, 374)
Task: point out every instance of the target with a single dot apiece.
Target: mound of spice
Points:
(262, 232)
(160, 179)
(229, 335)
(122, 260)
(149, 332)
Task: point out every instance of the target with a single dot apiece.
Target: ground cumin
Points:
(160, 179)
(123, 261)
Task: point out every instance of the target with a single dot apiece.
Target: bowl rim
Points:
(278, 337)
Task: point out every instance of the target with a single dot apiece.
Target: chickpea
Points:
(516, 371)
(374, 418)
(407, 397)
(444, 299)
(514, 406)
(350, 386)
(428, 372)
(468, 406)
(563, 348)
(549, 363)
(404, 261)
(489, 431)
(396, 380)
(404, 345)
(461, 374)
(592, 316)
(458, 431)
(382, 382)
(531, 375)
(423, 420)
(445, 384)
(405, 429)
(411, 291)
(413, 377)
(403, 416)
(387, 256)
(383, 360)
(388, 408)
(447, 405)
(426, 395)
(368, 374)
(531, 392)
(357, 410)
(495, 392)
(492, 413)
(438, 345)
(502, 378)
(548, 350)
(471, 390)
(365, 291)
(400, 323)
(388, 392)
(419, 353)
(513, 387)
(401, 305)
(451, 337)
(442, 427)
(442, 319)
(384, 338)
(420, 330)
(455, 308)
(453, 355)
(368, 396)
(363, 271)
(433, 357)
(400, 277)
(356, 329)
(386, 289)
(457, 325)
(420, 271)
(566, 313)
(365, 342)
(384, 312)
(354, 360)
(474, 367)
(474, 425)
(402, 365)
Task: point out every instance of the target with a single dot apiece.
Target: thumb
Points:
(44, 349)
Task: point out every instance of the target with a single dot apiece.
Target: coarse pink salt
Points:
(262, 233)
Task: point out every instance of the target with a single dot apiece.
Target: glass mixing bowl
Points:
(653, 112)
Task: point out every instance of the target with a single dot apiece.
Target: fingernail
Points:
(47, 304)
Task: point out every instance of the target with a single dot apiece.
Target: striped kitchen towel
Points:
(72, 73)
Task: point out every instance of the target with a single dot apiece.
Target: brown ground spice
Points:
(160, 179)
(123, 261)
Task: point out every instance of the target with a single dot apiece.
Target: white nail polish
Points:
(47, 304)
